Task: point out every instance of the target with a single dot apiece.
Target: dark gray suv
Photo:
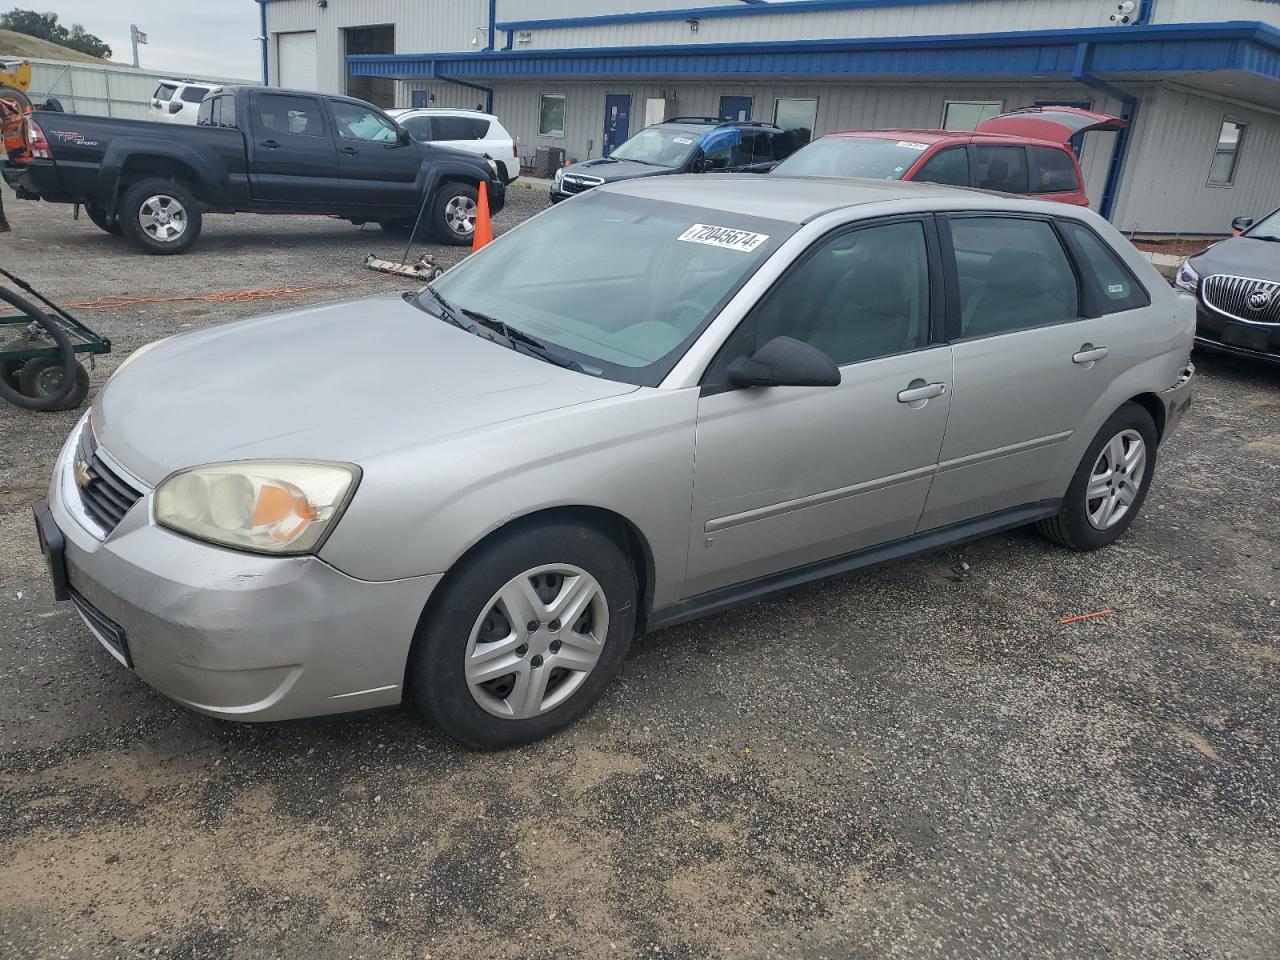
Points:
(684, 145)
(1237, 288)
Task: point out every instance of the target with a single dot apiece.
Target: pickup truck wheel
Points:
(453, 213)
(160, 216)
(98, 217)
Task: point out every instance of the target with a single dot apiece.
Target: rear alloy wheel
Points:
(1110, 484)
(160, 216)
(524, 634)
(454, 213)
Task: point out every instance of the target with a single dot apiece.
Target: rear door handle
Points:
(270, 144)
(1089, 354)
(919, 390)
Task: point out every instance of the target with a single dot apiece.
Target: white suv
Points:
(178, 101)
(467, 130)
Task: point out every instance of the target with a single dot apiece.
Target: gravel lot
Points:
(916, 762)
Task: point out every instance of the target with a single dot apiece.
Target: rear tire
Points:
(160, 216)
(1094, 512)
(453, 213)
(98, 217)
(552, 562)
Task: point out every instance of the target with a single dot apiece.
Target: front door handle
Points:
(921, 390)
(348, 151)
(270, 144)
(1089, 354)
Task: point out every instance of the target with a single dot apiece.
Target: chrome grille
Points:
(106, 495)
(572, 183)
(1243, 298)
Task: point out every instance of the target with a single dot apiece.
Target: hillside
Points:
(20, 45)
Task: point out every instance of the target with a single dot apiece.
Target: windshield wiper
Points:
(1250, 236)
(448, 312)
(524, 342)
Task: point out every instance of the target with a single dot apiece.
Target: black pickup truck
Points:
(256, 150)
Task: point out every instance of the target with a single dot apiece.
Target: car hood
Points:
(343, 381)
(1242, 257)
(609, 170)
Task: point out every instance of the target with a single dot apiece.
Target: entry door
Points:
(617, 120)
(1027, 370)
(294, 159)
(735, 108)
(788, 476)
(372, 162)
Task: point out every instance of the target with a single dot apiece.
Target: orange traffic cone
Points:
(484, 226)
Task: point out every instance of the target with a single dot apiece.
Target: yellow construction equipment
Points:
(15, 81)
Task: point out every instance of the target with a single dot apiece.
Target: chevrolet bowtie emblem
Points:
(82, 474)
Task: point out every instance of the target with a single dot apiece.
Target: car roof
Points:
(441, 112)
(703, 123)
(943, 136)
(790, 199)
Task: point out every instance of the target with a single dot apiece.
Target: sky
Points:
(213, 37)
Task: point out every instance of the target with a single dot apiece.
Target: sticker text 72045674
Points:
(726, 238)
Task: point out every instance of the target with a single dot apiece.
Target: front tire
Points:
(453, 213)
(160, 216)
(524, 635)
(1110, 485)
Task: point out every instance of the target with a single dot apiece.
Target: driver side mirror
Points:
(1240, 224)
(403, 137)
(785, 362)
(700, 165)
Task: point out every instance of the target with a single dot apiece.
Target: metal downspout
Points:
(1081, 73)
(262, 12)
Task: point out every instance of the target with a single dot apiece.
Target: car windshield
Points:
(619, 284)
(1268, 228)
(661, 147)
(869, 157)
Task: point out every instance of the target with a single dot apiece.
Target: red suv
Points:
(1027, 151)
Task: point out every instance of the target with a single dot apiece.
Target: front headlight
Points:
(493, 166)
(559, 175)
(268, 506)
(1187, 279)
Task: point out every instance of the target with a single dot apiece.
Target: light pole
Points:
(137, 36)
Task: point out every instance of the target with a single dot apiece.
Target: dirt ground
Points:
(919, 761)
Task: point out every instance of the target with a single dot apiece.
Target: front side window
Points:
(1226, 155)
(1052, 171)
(872, 157)
(551, 115)
(950, 166)
(1109, 286)
(580, 278)
(355, 122)
(659, 146)
(419, 127)
(1002, 168)
(299, 116)
(1013, 275)
(856, 296)
(967, 114)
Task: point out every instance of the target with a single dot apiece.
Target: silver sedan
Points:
(645, 405)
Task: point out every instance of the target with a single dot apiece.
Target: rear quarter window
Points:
(194, 94)
(459, 128)
(1106, 282)
(164, 92)
(1052, 171)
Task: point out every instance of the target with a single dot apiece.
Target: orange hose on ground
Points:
(226, 296)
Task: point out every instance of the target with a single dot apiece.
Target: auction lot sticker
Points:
(725, 237)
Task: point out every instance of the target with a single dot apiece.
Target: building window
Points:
(1222, 172)
(967, 114)
(796, 117)
(551, 115)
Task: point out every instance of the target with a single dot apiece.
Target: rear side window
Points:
(1013, 275)
(754, 148)
(1108, 285)
(204, 117)
(1052, 171)
(194, 94)
(299, 116)
(459, 128)
(419, 127)
(164, 92)
(950, 166)
(226, 117)
(1002, 168)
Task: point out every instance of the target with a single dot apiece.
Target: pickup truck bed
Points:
(256, 150)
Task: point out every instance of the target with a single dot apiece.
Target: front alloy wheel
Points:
(460, 215)
(537, 641)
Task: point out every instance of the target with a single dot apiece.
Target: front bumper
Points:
(231, 634)
(1177, 401)
(1259, 341)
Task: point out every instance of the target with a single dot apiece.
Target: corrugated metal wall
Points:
(550, 9)
(840, 107)
(1167, 169)
(104, 91)
(963, 16)
(1198, 11)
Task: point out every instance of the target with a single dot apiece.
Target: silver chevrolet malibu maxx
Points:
(645, 405)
